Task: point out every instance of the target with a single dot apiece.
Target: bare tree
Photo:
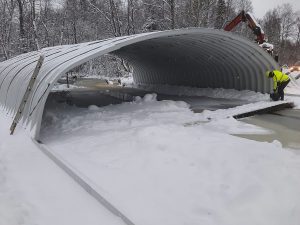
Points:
(72, 17)
(171, 8)
(23, 45)
(287, 16)
(34, 23)
(39, 25)
(130, 17)
(272, 28)
(6, 17)
(115, 19)
(298, 28)
(220, 14)
(44, 18)
(200, 12)
(245, 5)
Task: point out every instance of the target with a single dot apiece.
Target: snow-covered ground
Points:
(294, 85)
(146, 159)
(34, 191)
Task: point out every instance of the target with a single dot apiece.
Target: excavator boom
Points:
(239, 18)
(252, 24)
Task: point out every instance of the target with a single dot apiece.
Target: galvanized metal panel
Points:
(192, 57)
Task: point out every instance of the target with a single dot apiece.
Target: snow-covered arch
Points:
(192, 57)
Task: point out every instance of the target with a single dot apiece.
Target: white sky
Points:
(262, 6)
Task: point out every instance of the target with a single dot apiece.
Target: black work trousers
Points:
(281, 87)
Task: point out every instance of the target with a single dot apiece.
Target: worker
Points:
(280, 81)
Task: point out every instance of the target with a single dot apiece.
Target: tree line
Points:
(28, 25)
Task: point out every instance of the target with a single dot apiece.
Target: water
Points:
(284, 126)
(97, 92)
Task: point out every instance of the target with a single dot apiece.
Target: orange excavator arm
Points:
(239, 18)
(252, 24)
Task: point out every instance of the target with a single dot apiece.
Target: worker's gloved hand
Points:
(275, 90)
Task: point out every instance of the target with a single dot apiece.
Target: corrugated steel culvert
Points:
(197, 57)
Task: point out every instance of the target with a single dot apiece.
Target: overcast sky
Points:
(262, 6)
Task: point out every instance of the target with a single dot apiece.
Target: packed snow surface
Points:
(34, 191)
(148, 161)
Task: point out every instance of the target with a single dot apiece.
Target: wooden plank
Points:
(265, 110)
(26, 95)
(244, 113)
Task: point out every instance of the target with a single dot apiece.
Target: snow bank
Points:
(146, 98)
(128, 81)
(93, 107)
(209, 92)
(64, 87)
(158, 171)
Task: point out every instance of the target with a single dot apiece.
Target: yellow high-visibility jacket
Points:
(278, 78)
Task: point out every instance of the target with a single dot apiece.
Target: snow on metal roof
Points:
(196, 57)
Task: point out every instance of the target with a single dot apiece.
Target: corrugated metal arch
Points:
(197, 57)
